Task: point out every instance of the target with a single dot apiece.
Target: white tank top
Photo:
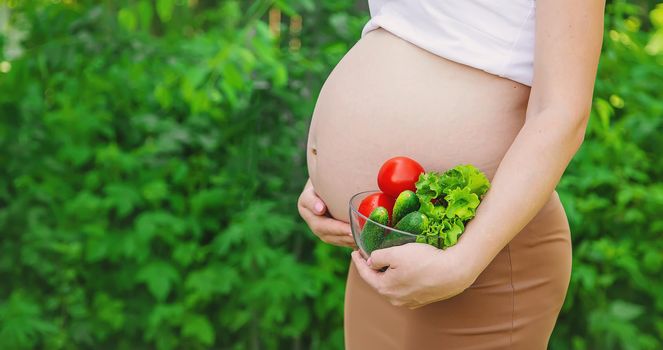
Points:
(496, 36)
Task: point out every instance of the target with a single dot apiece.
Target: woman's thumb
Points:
(319, 207)
(379, 258)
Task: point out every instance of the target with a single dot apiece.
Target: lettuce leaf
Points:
(449, 200)
(429, 185)
(462, 203)
(463, 176)
(452, 229)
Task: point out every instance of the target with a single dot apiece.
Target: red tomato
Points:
(373, 201)
(399, 174)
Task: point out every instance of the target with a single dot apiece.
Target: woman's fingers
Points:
(332, 235)
(331, 227)
(310, 200)
(369, 275)
(329, 230)
(322, 225)
(381, 258)
(341, 241)
(312, 209)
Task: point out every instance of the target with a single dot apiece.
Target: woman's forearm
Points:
(567, 52)
(523, 183)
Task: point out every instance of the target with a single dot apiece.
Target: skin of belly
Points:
(387, 98)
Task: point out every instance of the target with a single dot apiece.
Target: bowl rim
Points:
(356, 211)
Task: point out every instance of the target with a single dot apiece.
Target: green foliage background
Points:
(152, 152)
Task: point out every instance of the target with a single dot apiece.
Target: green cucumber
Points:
(414, 223)
(406, 202)
(372, 235)
(394, 238)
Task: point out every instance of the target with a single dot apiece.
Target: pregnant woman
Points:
(503, 85)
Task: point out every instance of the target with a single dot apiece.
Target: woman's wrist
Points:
(460, 268)
(471, 255)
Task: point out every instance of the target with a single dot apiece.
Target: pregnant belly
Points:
(387, 97)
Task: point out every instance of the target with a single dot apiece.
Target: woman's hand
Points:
(312, 209)
(418, 274)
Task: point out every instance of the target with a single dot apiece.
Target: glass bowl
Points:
(391, 236)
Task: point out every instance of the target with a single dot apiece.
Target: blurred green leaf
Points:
(165, 9)
(197, 326)
(159, 277)
(626, 311)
